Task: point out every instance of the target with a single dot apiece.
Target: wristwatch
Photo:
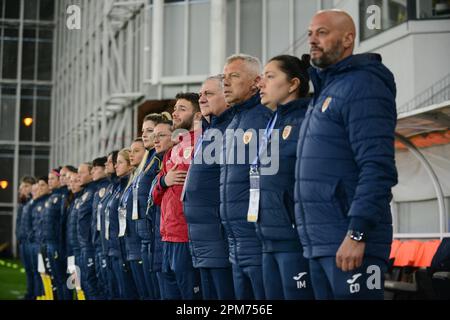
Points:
(356, 235)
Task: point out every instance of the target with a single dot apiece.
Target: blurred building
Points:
(26, 59)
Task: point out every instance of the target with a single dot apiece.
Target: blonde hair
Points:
(125, 153)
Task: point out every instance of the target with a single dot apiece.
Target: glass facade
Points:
(28, 89)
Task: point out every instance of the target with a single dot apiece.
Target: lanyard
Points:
(124, 199)
(266, 138)
(199, 145)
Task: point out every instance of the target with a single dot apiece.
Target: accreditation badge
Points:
(253, 204)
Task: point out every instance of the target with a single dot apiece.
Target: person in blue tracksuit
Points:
(35, 235)
(51, 236)
(151, 165)
(66, 198)
(207, 239)
(116, 246)
(241, 76)
(283, 88)
(24, 196)
(24, 229)
(99, 239)
(84, 217)
(131, 237)
(100, 178)
(346, 167)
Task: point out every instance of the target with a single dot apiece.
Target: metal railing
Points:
(438, 92)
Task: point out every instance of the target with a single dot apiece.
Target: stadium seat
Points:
(394, 248)
(426, 253)
(406, 254)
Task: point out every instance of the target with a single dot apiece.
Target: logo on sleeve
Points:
(326, 104)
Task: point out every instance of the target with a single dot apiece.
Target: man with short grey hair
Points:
(240, 80)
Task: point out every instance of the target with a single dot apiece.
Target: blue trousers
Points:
(151, 279)
(217, 283)
(124, 279)
(38, 289)
(88, 275)
(101, 273)
(57, 272)
(137, 272)
(181, 280)
(286, 276)
(363, 283)
(27, 264)
(248, 282)
(112, 286)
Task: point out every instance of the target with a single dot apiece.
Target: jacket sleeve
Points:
(160, 187)
(370, 118)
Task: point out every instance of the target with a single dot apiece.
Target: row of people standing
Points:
(172, 224)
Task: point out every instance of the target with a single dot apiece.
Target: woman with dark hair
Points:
(283, 89)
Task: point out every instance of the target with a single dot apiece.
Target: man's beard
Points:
(330, 57)
(185, 124)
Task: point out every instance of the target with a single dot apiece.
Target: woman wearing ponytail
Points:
(284, 89)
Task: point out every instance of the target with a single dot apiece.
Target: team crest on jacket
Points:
(47, 204)
(326, 104)
(286, 132)
(247, 137)
(39, 209)
(187, 152)
(101, 193)
(55, 199)
(84, 197)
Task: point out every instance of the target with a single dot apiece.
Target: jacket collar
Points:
(297, 103)
(253, 101)
(321, 77)
(228, 113)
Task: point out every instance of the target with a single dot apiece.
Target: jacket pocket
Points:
(288, 201)
(340, 199)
